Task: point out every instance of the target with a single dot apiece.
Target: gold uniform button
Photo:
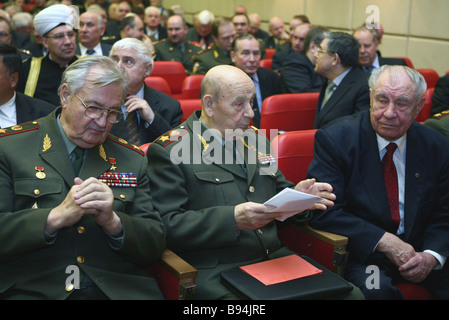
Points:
(122, 196)
(81, 230)
(37, 191)
(69, 287)
(80, 259)
(252, 189)
(260, 231)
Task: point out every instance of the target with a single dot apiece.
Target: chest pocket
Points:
(217, 188)
(123, 197)
(36, 192)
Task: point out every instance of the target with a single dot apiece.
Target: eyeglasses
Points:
(61, 36)
(319, 51)
(4, 34)
(113, 116)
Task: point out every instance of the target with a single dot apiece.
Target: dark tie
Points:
(133, 128)
(369, 69)
(78, 159)
(90, 52)
(391, 182)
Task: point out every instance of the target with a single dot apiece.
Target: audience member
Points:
(223, 34)
(201, 33)
(150, 111)
(369, 55)
(439, 122)
(241, 24)
(16, 107)
(246, 56)
(90, 32)
(113, 26)
(22, 22)
(399, 223)
(278, 34)
(212, 220)
(40, 77)
(8, 35)
(107, 233)
(440, 97)
(296, 44)
(254, 27)
(153, 24)
(297, 20)
(346, 91)
(175, 48)
(298, 71)
(132, 27)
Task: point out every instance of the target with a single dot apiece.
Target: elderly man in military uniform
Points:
(77, 219)
(175, 48)
(40, 77)
(439, 122)
(223, 33)
(210, 197)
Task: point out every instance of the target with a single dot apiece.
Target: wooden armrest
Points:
(326, 248)
(176, 277)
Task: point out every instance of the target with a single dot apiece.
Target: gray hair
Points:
(142, 50)
(96, 70)
(415, 76)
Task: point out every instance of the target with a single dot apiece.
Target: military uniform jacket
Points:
(168, 51)
(35, 176)
(196, 200)
(210, 58)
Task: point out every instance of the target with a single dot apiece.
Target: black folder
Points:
(319, 286)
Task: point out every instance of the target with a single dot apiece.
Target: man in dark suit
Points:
(346, 91)
(59, 210)
(154, 112)
(246, 56)
(369, 55)
(296, 44)
(15, 107)
(298, 71)
(403, 234)
(153, 24)
(91, 30)
(440, 97)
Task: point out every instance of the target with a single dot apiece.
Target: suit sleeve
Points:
(296, 76)
(165, 121)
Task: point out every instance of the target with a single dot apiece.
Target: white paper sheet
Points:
(290, 202)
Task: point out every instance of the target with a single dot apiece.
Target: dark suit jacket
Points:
(29, 109)
(196, 201)
(105, 47)
(167, 115)
(26, 200)
(351, 96)
(269, 85)
(440, 98)
(298, 75)
(347, 156)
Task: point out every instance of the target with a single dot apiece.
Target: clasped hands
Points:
(251, 215)
(413, 266)
(85, 197)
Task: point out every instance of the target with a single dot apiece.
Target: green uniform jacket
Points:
(210, 58)
(439, 122)
(31, 267)
(196, 201)
(168, 51)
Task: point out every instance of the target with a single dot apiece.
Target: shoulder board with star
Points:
(441, 115)
(20, 128)
(159, 41)
(125, 143)
(171, 136)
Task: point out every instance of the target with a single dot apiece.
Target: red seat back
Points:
(430, 75)
(294, 152)
(269, 53)
(191, 86)
(173, 72)
(425, 111)
(289, 112)
(266, 63)
(188, 106)
(158, 83)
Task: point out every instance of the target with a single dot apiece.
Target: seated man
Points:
(209, 197)
(440, 97)
(439, 122)
(148, 112)
(58, 208)
(391, 176)
(346, 90)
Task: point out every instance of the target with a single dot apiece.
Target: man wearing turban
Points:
(40, 77)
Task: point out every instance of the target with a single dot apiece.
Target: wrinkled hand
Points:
(398, 251)
(85, 197)
(418, 267)
(320, 189)
(134, 103)
(251, 216)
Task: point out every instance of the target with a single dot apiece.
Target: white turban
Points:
(55, 15)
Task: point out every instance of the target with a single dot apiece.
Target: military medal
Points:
(112, 162)
(265, 159)
(119, 179)
(40, 174)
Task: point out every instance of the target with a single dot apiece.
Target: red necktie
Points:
(391, 182)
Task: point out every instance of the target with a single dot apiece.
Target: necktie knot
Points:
(90, 52)
(391, 148)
